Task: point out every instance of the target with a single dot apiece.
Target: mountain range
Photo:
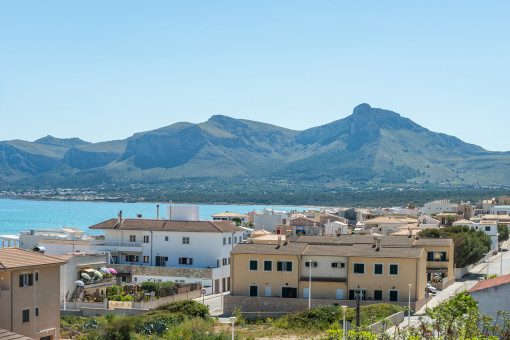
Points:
(370, 147)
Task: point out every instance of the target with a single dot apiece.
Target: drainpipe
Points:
(12, 301)
(35, 301)
(65, 285)
(151, 244)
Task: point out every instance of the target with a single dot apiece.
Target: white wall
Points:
(324, 268)
(268, 222)
(493, 299)
(437, 208)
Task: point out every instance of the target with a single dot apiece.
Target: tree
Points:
(503, 233)
(238, 221)
(410, 205)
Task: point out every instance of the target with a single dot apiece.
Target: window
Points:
(487, 228)
(185, 240)
(359, 268)
(185, 260)
(378, 295)
(268, 266)
(337, 265)
(235, 239)
(314, 264)
(37, 276)
(224, 241)
(131, 258)
(146, 239)
(284, 266)
(436, 256)
(393, 295)
(132, 238)
(230, 240)
(254, 290)
(25, 315)
(36, 311)
(145, 259)
(26, 280)
(378, 269)
(393, 269)
(224, 261)
(254, 264)
(166, 238)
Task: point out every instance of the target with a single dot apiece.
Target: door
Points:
(267, 291)
(306, 292)
(393, 295)
(216, 286)
(339, 294)
(289, 292)
(254, 290)
(223, 285)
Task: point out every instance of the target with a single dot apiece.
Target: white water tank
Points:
(182, 212)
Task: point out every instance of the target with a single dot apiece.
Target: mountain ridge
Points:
(372, 146)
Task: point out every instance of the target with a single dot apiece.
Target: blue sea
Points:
(17, 215)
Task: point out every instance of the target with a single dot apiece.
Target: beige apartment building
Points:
(384, 269)
(29, 293)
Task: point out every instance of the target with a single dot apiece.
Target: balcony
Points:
(115, 246)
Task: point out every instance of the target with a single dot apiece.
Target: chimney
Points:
(139, 215)
(378, 244)
(120, 217)
(375, 242)
(157, 211)
(279, 241)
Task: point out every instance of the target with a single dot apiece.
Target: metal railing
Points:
(115, 243)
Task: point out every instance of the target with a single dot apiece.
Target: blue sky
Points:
(103, 70)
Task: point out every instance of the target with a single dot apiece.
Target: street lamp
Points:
(344, 310)
(232, 321)
(310, 285)
(409, 311)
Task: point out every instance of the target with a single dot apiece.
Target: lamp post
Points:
(501, 265)
(310, 285)
(232, 321)
(344, 310)
(409, 311)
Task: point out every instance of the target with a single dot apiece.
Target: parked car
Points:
(431, 289)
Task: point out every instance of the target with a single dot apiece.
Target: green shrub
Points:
(149, 286)
(186, 307)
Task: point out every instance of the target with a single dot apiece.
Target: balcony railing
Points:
(114, 243)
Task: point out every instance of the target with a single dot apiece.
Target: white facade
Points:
(335, 227)
(437, 207)
(500, 210)
(493, 299)
(182, 212)
(270, 218)
(61, 247)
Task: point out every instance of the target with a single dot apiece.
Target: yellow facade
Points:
(269, 283)
(409, 271)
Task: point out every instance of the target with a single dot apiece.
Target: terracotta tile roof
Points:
(438, 242)
(315, 239)
(229, 214)
(327, 250)
(167, 225)
(497, 281)
(6, 335)
(363, 250)
(269, 249)
(13, 258)
(348, 239)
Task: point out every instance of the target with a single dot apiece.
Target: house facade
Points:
(168, 250)
(326, 273)
(29, 293)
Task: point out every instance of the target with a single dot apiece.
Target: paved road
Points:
(214, 302)
(466, 283)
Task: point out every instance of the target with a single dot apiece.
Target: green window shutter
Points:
(289, 266)
(279, 266)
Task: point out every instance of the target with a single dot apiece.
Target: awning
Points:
(437, 270)
(89, 270)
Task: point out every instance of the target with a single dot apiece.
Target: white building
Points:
(31, 238)
(427, 222)
(190, 251)
(335, 227)
(439, 206)
(384, 225)
(500, 210)
(270, 218)
(493, 296)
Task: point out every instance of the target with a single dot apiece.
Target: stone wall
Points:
(395, 319)
(194, 273)
(272, 305)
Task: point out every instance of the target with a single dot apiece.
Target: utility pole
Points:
(357, 312)
(310, 285)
